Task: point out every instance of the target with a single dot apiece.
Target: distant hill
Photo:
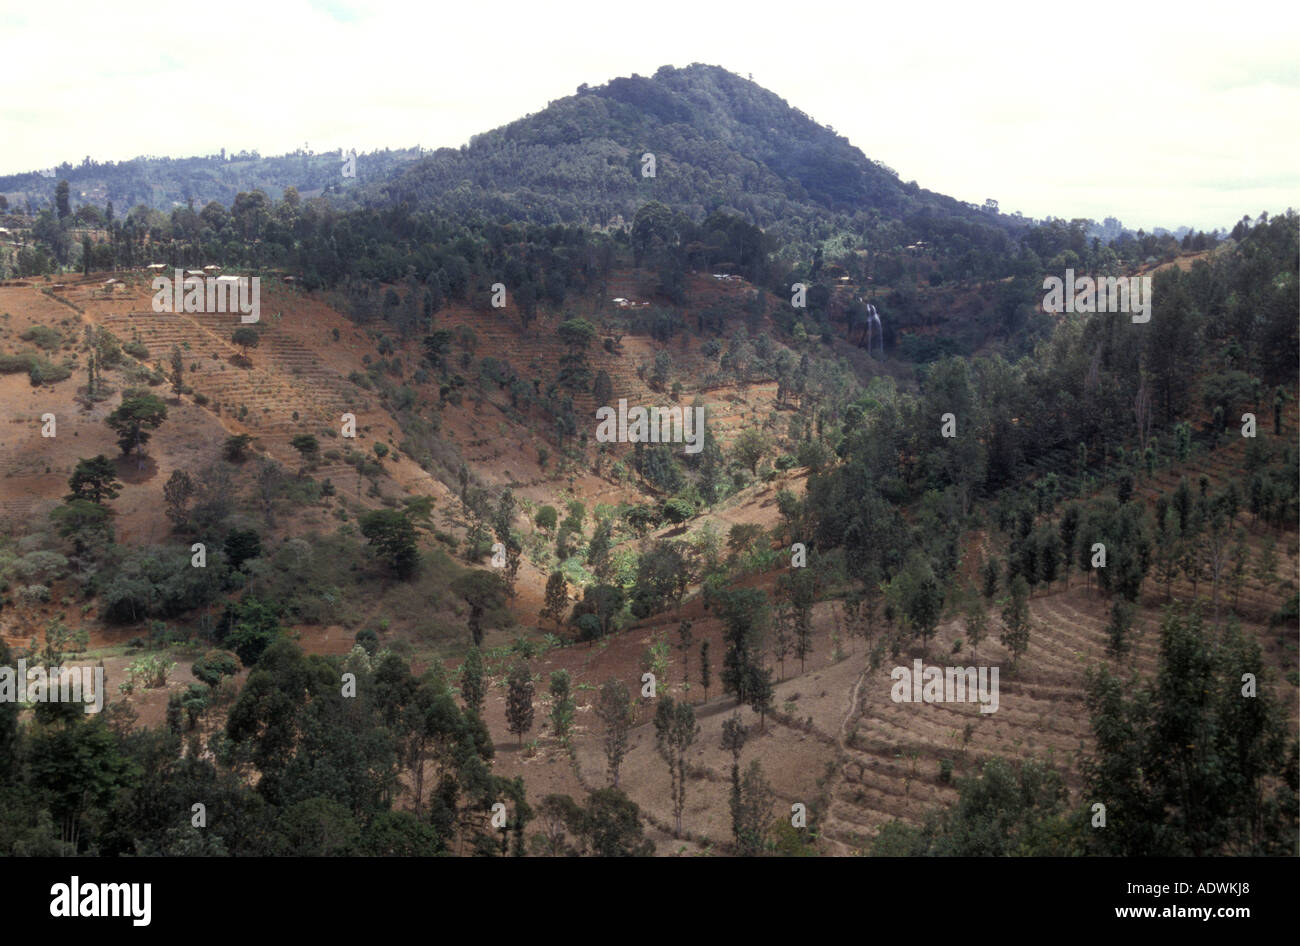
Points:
(720, 142)
(166, 183)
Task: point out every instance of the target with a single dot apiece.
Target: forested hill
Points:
(165, 183)
(720, 142)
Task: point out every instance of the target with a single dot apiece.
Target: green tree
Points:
(615, 710)
(81, 770)
(1009, 809)
(1068, 531)
(800, 588)
(139, 413)
(236, 448)
(684, 641)
(675, 731)
(88, 525)
(1190, 765)
(178, 371)
(242, 545)
(750, 448)
(215, 664)
(1015, 619)
(472, 688)
(245, 337)
(562, 708)
(177, 494)
(94, 480)
(519, 700)
(989, 574)
(920, 597)
(977, 623)
(753, 818)
(745, 615)
(392, 537)
(61, 202)
(308, 448)
(546, 519)
(557, 597)
(611, 826)
(1119, 627)
(483, 592)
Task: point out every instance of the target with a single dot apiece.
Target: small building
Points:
(156, 267)
(212, 269)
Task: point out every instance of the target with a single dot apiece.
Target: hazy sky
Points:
(1185, 114)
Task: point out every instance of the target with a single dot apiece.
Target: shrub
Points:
(214, 665)
(136, 349)
(43, 337)
(12, 364)
(148, 672)
(42, 372)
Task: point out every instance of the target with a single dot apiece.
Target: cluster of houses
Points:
(157, 269)
(622, 303)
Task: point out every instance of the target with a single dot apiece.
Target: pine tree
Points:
(761, 692)
(472, 688)
(562, 708)
(94, 480)
(519, 700)
(1117, 630)
(1015, 618)
(990, 576)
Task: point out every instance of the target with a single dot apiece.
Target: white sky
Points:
(1188, 114)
